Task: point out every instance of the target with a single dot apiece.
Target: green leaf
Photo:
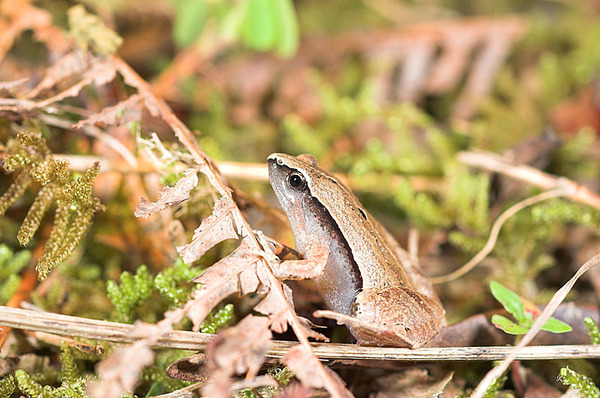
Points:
(286, 27)
(509, 300)
(259, 26)
(507, 325)
(189, 21)
(555, 326)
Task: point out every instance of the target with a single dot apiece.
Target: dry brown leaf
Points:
(405, 64)
(101, 71)
(118, 114)
(216, 228)
(255, 382)
(241, 349)
(537, 387)
(295, 390)
(169, 196)
(18, 16)
(119, 372)
(237, 350)
(234, 273)
(13, 86)
(189, 369)
(412, 383)
(278, 311)
(312, 373)
(73, 64)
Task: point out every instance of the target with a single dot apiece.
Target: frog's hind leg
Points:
(401, 317)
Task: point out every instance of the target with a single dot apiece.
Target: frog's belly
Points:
(340, 282)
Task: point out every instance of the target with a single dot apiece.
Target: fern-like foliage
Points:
(72, 383)
(593, 330)
(30, 158)
(581, 383)
(10, 266)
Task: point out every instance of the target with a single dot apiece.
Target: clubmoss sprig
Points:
(29, 156)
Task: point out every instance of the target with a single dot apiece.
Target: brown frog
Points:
(362, 274)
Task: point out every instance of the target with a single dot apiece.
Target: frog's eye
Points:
(296, 180)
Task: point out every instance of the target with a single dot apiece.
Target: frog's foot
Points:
(368, 333)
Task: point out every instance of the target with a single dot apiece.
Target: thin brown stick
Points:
(56, 340)
(495, 231)
(514, 353)
(123, 333)
(492, 162)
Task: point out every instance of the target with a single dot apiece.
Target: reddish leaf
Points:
(100, 72)
(13, 86)
(216, 228)
(169, 196)
(241, 349)
(412, 383)
(237, 350)
(234, 273)
(119, 372)
(278, 312)
(312, 373)
(121, 113)
(74, 63)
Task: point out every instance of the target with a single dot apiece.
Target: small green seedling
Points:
(523, 311)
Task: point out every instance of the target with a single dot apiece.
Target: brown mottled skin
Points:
(367, 275)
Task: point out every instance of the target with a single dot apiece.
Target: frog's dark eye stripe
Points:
(362, 213)
(296, 180)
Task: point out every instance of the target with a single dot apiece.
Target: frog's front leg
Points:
(392, 316)
(312, 266)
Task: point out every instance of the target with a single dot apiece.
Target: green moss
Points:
(581, 383)
(11, 265)
(592, 329)
(172, 282)
(130, 292)
(7, 386)
(217, 320)
(72, 383)
(495, 388)
(131, 296)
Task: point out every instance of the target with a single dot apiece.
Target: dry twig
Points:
(492, 162)
(124, 333)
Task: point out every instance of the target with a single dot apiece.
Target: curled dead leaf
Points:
(169, 196)
(118, 114)
(312, 373)
(217, 227)
(234, 273)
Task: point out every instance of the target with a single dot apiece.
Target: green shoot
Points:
(524, 317)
